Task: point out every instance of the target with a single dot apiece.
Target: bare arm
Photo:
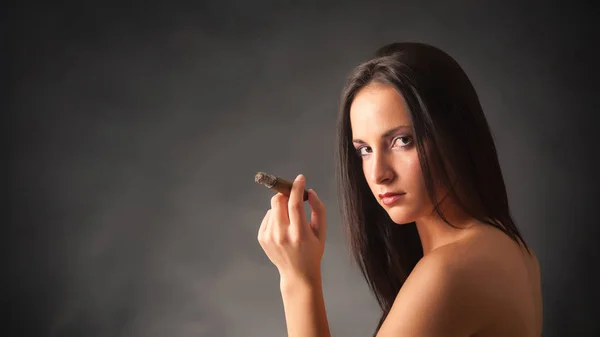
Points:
(304, 307)
(296, 247)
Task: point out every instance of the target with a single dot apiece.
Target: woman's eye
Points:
(363, 150)
(402, 141)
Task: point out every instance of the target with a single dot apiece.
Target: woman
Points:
(424, 204)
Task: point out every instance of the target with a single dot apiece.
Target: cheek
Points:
(366, 175)
(414, 177)
(414, 183)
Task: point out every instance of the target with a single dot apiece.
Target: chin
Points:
(401, 216)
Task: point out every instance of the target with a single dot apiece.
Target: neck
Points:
(434, 232)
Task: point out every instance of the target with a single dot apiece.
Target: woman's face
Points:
(382, 136)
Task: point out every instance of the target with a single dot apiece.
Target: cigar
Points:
(276, 183)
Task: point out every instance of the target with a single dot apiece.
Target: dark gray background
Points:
(134, 135)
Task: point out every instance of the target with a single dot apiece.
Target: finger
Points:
(318, 215)
(279, 221)
(296, 205)
(264, 225)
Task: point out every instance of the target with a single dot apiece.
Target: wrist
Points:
(290, 284)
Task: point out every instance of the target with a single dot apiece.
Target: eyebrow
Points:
(386, 134)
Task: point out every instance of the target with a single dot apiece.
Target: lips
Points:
(391, 198)
(390, 194)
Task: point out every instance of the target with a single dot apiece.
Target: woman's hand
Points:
(294, 245)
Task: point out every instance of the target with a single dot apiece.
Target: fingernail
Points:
(299, 177)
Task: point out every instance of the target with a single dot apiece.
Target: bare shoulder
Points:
(439, 298)
(459, 289)
(510, 281)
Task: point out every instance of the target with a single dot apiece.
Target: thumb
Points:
(318, 220)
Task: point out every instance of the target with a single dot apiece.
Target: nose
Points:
(381, 169)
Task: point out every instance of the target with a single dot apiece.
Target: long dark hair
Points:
(451, 134)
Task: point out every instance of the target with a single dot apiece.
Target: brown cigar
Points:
(276, 183)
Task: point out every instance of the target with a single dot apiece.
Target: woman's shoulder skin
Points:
(481, 285)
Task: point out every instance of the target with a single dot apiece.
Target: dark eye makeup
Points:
(407, 139)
